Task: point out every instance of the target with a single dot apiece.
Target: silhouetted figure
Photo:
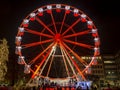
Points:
(79, 88)
(87, 88)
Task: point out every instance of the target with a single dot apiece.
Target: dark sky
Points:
(105, 15)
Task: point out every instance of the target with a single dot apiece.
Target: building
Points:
(110, 69)
(97, 70)
(107, 70)
(117, 59)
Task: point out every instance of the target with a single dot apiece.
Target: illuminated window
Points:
(99, 57)
(83, 57)
(109, 72)
(86, 57)
(109, 61)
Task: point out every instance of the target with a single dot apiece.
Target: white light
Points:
(53, 48)
(73, 57)
(21, 60)
(96, 49)
(112, 72)
(21, 29)
(58, 6)
(96, 39)
(89, 22)
(19, 47)
(94, 30)
(83, 16)
(83, 57)
(26, 21)
(19, 38)
(21, 57)
(49, 7)
(27, 69)
(93, 58)
(67, 7)
(76, 11)
(32, 15)
(40, 10)
(28, 66)
(109, 72)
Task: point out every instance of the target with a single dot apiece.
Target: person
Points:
(79, 88)
(87, 87)
(34, 88)
(95, 87)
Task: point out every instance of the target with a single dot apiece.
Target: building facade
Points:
(110, 69)
(107, 69)
(97, 70)
(117, 59)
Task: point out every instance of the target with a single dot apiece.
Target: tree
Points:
(4, 52)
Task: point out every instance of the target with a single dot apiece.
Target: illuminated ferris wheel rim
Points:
(57, 6)
(48, 8)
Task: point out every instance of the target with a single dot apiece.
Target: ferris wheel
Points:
(52, 39)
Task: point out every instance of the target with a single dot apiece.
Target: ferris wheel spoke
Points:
(62, 23)
(41, 63)
(75, 64)
(79, 44)
(70, 63)
(53, 22)
(40, 54)
(50, 64)
(36, 43)
(66, 67)
(77, 34)
(45, 25)
(52, 52)
(76, 55)
(38, 33)
(71, 26)
(86, 68)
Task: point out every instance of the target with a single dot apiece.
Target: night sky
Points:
(105, 15)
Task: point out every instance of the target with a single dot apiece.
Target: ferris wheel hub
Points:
(58, 37)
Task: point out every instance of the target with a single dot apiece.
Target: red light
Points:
(94, 34)
(25, 25)
(20, 33)
(90, 26)
(32, 18)
(67, 11)
(40, 14)
(83, 19)
(58, 10)
(75, 14)
(49, 11)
